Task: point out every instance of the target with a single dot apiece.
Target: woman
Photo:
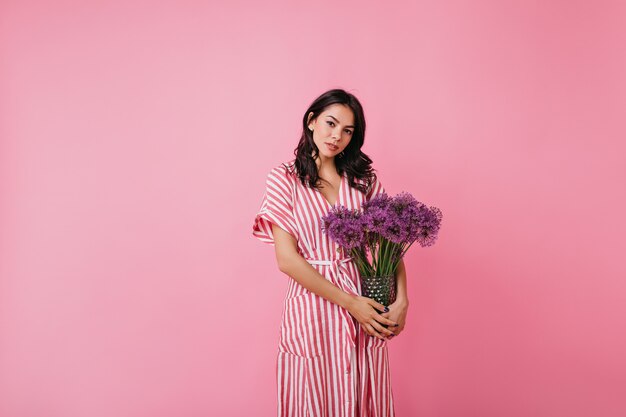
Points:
(332, 355)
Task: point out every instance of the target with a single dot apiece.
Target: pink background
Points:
(135, 140)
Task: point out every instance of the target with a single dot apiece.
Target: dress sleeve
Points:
(375, 189)
(276, 207)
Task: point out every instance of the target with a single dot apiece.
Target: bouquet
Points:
(378, 236)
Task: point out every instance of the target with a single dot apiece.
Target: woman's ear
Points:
(308, 121)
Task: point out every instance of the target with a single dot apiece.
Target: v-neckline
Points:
(338, 193)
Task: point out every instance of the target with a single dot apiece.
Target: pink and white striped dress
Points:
(327, 365)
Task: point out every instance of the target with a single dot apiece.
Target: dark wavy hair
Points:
(354, 162)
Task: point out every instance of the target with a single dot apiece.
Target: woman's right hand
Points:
(362, 309)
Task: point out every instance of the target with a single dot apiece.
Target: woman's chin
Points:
(326, 155)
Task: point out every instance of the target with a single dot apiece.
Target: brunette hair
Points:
(354, 162)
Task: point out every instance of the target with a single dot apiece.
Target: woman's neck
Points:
(326, 166)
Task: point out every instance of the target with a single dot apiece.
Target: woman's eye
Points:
(333, 124)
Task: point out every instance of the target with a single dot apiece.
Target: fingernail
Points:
(386, 309)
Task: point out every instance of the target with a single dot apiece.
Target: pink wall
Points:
(134, 143)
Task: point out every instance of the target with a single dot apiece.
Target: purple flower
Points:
(344, 226)
(385, 228)
(411, 221)
(376, 216)
(375, 219)
(381, 200)
(430, 222)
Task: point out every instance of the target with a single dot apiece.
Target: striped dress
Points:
(327, 365)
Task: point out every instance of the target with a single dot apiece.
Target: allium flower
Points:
(385, 228)
(430, 222)
(344, 226)
(381, 200)
(375, 219)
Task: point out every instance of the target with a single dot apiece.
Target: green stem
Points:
(385, 255)
(361, 260)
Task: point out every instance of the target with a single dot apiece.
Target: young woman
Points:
(332, 353)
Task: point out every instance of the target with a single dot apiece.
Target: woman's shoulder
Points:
(284, 170)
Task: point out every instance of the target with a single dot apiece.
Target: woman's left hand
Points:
(397, 312)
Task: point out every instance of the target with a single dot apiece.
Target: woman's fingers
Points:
(377, 316)
(377, 305)
(370, 319)
(370, 330)
(385, 320)
(381, 329)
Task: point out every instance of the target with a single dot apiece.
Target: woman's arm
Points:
(399, 308)
(293, 264)
(401, 292)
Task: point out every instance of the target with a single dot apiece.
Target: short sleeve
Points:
(276, 207)
(375, 189)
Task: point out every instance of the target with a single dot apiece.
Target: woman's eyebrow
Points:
(338, 120)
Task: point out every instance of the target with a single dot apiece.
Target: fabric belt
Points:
(341, 272)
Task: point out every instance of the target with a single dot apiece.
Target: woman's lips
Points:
(332, 147)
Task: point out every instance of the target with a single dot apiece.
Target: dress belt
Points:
(341, 271)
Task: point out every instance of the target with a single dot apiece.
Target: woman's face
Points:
(332, 130)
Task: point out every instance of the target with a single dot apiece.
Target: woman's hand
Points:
(397, 312)
(362, 309)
